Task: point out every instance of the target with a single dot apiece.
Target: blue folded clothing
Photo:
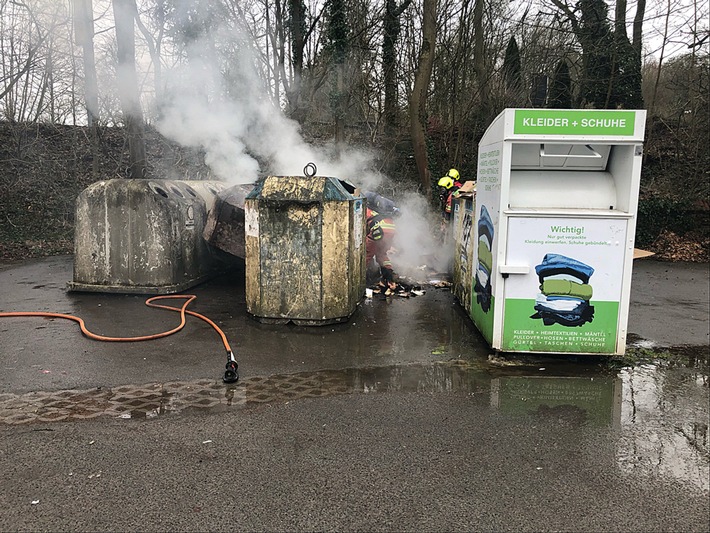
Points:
(485, 224)
(554, 264)
(562, 304)
(578, 317)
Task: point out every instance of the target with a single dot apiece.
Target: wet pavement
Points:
(400, 419)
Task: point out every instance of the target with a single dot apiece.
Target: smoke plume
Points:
(241, 131)
(418, 240)
(245, 136)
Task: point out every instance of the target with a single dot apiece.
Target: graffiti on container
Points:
(464, 255)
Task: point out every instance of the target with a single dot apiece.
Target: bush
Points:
(656, 213)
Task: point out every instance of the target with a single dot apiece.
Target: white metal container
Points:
(553, 231)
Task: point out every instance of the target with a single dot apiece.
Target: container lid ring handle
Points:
(310, 170)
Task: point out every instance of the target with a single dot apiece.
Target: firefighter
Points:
(380, 234)
(448, 188)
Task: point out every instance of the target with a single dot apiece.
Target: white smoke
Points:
(193, 118)
(241, 131)
(418, 240)
(244, 135)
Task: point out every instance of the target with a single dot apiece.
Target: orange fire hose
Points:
(230, 376)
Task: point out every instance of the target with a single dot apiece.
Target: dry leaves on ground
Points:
(672, 247)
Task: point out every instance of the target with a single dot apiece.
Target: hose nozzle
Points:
(231, 374)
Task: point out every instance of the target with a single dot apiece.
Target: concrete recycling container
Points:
(224, 229)
(143, 236)
(305, 250)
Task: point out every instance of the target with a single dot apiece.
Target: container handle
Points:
(310, 170)
(593, 155)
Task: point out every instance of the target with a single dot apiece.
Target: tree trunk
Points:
(636, 42)
(124, 13)
(391, 29)
(338, 32)
(84, 35)
(154, 45)
(479, 64)
(339, 126)
(417, 102)
(297, 27)
(626, 76)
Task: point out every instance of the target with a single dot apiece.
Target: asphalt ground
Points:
(397, 420)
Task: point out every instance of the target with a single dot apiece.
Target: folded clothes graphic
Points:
(482, 285)
(482, 274)
(484, 293)
(578, 317)
(567, 276)
(557, 303)
(485, 257)
(564, 291)
(485, 225)
(559, 264)
(562, 287)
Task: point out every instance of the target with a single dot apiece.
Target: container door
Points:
(562, 284)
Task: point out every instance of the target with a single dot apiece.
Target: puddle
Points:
(665, 420)
(635, 341)
(156, 399)
(657, 416)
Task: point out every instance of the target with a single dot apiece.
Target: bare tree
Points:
(154, 43)
(124, 14)
(84, 35)
(627, 57)
(676, 89)
(479, 63)
(27, 57)
(391, 29)
(338, 45)
(418, 98)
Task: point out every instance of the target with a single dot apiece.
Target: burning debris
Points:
(400, 288)
(405, 287)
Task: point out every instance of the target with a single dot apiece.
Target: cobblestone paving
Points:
(155, 399)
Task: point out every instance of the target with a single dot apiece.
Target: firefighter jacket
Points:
(380, 234)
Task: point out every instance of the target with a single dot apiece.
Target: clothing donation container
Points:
(305, 250)
(143, 236)
(553, 231)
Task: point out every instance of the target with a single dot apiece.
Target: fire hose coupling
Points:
(231, 374)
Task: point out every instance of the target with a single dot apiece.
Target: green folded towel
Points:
(563, 287)
(485, 257)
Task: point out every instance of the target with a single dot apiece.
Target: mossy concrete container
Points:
(305, 250)
(224, 229)
(143, 236)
